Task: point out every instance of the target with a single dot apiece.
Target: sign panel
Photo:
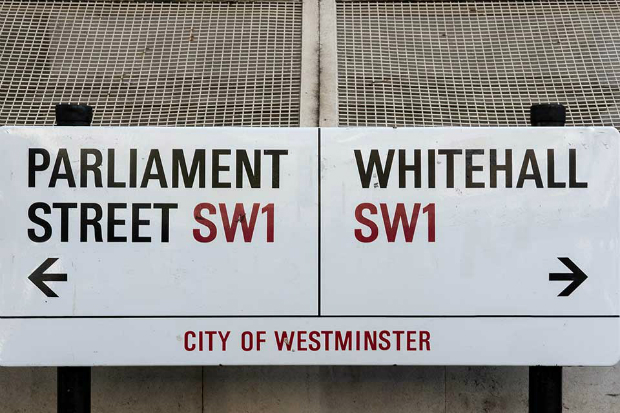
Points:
(181, 246)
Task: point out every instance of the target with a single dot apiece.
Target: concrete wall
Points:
(310, 389)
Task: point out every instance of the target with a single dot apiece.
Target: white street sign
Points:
(197, 246)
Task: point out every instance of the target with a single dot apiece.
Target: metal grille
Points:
(477, 63)
(185, 63)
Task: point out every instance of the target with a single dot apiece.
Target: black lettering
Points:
(94, 222)
(33, 166)
(136, 222)
(470, 168)
(64, 208)
(216, 168)
(530, 158)
(165, 219)
(47, 228)
(133, 168)
(179, 164)
(431, 168)
(403, 168)
(95, 167)
(450, 153)
(572, 170)
(111, 180)
(507, 167)
(113, 222)
(374, 162)
(551, 171)
(62, 160)
(154, 159)
(275, 165)
(243, 163)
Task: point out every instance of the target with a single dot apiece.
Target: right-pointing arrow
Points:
(39, 277)
(576, 276)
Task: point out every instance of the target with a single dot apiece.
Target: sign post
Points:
(73, 392)
(545, 386)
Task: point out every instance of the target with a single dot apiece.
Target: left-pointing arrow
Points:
(39, 277)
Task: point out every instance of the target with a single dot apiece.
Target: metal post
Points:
(73, 390)
(545, 389)
(546, 381)
(547, 114)
(73, 382)
(73, 115)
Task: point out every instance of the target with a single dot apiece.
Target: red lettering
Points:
(230, 227)
(204, 221)
(425, 340)
(247, 341)
(269, 209)
(370, 340)
(430, 209)
(398, 334)
(411, 341)
(301, 339)
(315, 343)
(224, 338)
(327, 333)
(189, 347)
(400, 217)
(374, 230)
(343, 343)
(384, 337)
(260, 339)
(210, 334)
(284, 339)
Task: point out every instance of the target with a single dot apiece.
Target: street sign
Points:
(202, 246)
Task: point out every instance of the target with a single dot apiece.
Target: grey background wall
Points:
(464, 63)
(310, 389)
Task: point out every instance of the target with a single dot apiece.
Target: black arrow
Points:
(576, 276)
(39, 277)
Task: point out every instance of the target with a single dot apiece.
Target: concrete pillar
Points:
(324, 389)
(27, 390)
(592, 389)
(310, 389)
(146, 389)
(486, 389)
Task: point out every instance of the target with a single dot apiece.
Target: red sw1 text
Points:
(247, 221)
(392, 220)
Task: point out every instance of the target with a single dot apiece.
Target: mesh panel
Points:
(154, 63)
(477, 62)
